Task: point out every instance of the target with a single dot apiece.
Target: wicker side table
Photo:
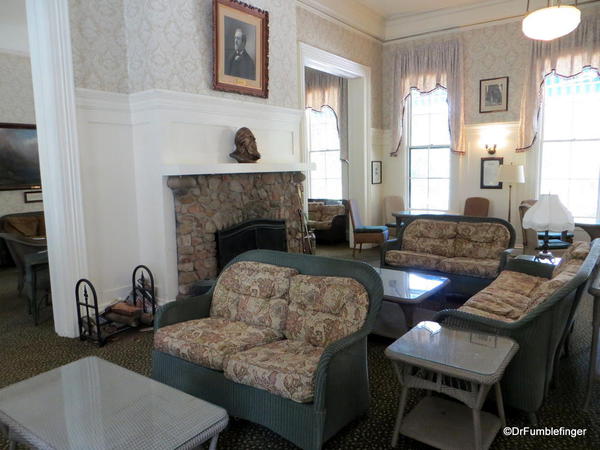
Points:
(461, 364)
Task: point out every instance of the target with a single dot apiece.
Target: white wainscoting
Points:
(128, 144)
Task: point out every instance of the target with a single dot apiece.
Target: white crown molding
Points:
(324, 61)
(348, 14)
(408, 25)
(10, 51)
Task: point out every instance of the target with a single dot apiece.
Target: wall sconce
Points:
(491, 149)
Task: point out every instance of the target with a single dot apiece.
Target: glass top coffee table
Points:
(94, 404)
(409, 289)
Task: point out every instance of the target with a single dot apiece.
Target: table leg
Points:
(213, 442)
(593, 352)
(477, 427)
(408, 311)
(500, 404)
(401, 407)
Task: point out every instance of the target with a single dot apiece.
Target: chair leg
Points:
(533, 420)
(354, 250)
(360, 248)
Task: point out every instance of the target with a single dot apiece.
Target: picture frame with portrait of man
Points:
(241, 48)
(493, 95)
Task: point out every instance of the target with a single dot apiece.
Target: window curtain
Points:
(426, 68)
(567, 56)
(323, 89)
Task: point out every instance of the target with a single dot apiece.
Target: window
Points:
(429, 151)
(570, 157)
(324, 153)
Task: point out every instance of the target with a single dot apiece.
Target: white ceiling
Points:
(388, 8)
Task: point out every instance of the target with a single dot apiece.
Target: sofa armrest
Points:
(536, 269)
(391, 244)
(328, 358)
(339, 222)
(181, 310)
(460, 319)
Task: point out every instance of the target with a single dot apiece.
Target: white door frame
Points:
(54, 96)
(359, 117)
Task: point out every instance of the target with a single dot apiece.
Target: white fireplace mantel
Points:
(232, 168)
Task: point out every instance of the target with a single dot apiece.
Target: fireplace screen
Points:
(253, 234)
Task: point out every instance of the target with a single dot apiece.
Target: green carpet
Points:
(27, 350)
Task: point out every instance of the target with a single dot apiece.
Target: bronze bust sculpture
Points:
(245, 147)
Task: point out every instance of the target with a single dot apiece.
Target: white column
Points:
(53, 86)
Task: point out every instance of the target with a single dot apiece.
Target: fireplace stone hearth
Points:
(207, 203)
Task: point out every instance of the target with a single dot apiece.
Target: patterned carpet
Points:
(27, 350)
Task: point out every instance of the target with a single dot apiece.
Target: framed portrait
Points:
(493, 95)
(33, 197)
(376, 177)
(19, 160)
(241, 48)
(489, 173)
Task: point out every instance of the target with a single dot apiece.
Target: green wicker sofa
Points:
(470, 251)
(280, 340)
(533, 303)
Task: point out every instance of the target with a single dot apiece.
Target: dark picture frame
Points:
(32, 197)
(240, 48)
(487, 177)
(493, 95)
(19, 159)
(376, 172)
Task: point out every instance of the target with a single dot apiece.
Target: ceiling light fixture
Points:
(551, 22)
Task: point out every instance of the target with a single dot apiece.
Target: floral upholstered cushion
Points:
(325, 309)
(573, 258)
(482, 268)
(403, 258)
(319, 225)
(211, 341)
(329, 212)
(549, 287)
(434, 237)
(482, 240)
(315, 210)
(254, 293)
(285, 368)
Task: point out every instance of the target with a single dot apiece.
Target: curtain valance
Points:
(566, 56)
(426, 68)
(323, 89)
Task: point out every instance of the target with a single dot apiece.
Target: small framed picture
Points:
(376, 177)
(33, 196)
(489, 173)
(493, 95)
(241, 48)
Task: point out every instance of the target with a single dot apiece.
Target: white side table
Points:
(461, 364)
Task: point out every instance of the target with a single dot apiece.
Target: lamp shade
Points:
(550, 23)
(549, 214)
(511, 174)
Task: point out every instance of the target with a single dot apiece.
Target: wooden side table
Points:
(462, 364)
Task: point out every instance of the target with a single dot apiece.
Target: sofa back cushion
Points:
(325, 309)
(328, 212)
(27, 226)
(254, 293)
(572, 259)
(315, 210)
(434, 237)
(481, 240)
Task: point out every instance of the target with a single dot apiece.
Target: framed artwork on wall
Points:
(493, 95)
(32, 197)
(489, 173)
(376, 177)
(19, 160)
(240, 48)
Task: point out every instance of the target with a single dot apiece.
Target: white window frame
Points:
(409, 149)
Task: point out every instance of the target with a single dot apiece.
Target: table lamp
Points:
(511, 174)
(548, 214)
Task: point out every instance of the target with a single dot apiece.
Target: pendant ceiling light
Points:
(551, 22)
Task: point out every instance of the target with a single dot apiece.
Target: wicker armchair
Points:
(341, 386)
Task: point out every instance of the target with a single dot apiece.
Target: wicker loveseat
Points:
(534, 304)
(280, 340)
(328, 219)
(470, 251)
(27, 225)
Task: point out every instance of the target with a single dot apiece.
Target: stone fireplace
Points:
(207, 203)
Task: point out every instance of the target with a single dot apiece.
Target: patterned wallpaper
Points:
(135, 45)
(99, 45)
(336, 39)
(16, 89)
